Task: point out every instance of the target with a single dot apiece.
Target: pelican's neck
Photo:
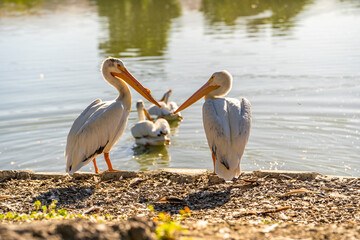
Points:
(223, 81)
(165, 98)
(211, 96)
(220, 92)
(121, 86)
(208, 97)
(141, 114)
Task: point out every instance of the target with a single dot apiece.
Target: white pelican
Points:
(101, 124)
(227, 123)
(167, 108)
(148, 133)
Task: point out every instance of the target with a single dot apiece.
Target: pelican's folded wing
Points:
(105, 123)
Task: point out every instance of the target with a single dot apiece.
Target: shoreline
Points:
(260, 204)
(185, 172)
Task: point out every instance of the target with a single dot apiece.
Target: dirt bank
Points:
(277, 205)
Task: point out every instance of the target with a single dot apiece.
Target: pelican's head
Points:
(142, 112)
(111, 65)
(114, 69)
(218, 85)
(140, 105)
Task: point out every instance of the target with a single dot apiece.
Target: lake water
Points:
(298, 62)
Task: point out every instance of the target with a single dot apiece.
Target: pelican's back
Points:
(162, 127)
(173, 106)
(142, 129)
(227, 123)
(155, 110)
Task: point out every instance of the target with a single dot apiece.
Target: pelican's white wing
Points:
(162, 127)
(95, 131)
(166, 111)
(143, 129)
(155, 110)
(227, 125)
(149, 133)
(172, 106)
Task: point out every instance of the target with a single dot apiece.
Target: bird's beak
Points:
(147, 114)
(205, 89)
(126, 76)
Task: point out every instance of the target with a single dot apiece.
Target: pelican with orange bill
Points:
(227, 123)
(102, 123)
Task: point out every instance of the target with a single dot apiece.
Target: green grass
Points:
(48, 212)
(169, 228)
(268, 222)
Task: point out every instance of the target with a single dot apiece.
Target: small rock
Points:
(215, 179)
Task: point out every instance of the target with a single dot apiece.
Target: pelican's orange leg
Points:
(96, 168)
(214, 159)
(107, 159)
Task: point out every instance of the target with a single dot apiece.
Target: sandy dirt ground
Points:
(258, 205)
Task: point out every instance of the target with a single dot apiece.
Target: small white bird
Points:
(227, 123)
(148, 133)
(167, 108)
(101, 124)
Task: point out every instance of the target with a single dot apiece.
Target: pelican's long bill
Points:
(135, 84)
(147, 114)
(204, 90)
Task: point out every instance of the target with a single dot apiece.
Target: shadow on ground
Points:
(65, 196)
(195, 201)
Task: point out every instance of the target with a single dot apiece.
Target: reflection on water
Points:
(21, 6)
(147, 156)
(304, 89)
(280, 14)
(18, 8)
(136, 27)
(174, 126)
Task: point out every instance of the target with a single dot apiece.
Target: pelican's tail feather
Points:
(223, 171)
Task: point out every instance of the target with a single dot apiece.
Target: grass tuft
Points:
(169, 228)
(41, 212)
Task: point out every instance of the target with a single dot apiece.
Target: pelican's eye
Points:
(120, 67)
